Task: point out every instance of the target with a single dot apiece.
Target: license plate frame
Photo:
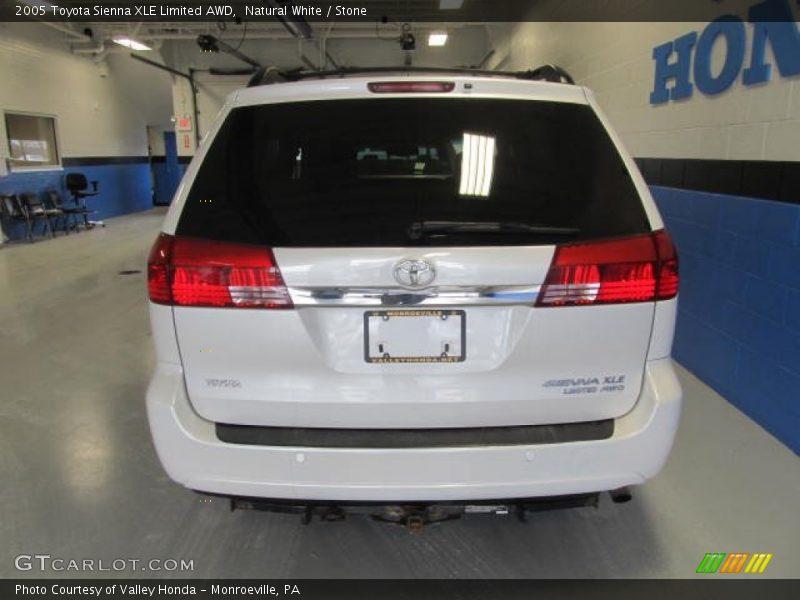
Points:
(443, 314)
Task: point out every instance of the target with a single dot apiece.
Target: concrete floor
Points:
(80, 478)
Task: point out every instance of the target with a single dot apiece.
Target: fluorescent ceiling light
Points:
(437, 38)
(450, 4)
(123, 40)
(477, 165)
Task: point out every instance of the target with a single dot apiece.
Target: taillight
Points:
(158, 284)
(668, 278)
(400, 87)
(634, 269)
(193, 272)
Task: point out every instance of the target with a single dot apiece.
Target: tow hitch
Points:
(415, 518)
(417, 515)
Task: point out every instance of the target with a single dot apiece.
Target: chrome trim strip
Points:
(506, 295)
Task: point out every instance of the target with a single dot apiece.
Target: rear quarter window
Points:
(359, 173)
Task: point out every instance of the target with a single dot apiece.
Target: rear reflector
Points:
(192, 272)
(401, 87)
(635, 269)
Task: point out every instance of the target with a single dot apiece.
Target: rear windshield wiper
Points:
(420, 228)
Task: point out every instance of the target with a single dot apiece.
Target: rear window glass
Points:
(412, 172)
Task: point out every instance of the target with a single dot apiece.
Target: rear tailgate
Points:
(342, 192)
(306, 367)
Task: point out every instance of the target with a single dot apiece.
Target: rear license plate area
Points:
(415, 336)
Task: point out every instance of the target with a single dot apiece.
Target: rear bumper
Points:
(192, 455)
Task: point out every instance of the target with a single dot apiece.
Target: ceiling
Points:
(271, 44)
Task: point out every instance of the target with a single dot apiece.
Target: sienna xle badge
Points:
(415, 290)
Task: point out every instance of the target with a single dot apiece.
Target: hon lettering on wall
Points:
(685, 63)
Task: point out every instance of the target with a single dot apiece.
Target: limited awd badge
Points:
(414, 274)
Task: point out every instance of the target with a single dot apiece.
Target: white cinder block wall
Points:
(96, 116)
(102, 114)
(615, 60)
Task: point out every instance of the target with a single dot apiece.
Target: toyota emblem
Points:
(411, 273)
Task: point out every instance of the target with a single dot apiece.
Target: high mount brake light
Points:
(193, 272)
(400, 87)
(635, 269)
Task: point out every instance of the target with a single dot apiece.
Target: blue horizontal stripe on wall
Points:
(123, 187)
(738, 323)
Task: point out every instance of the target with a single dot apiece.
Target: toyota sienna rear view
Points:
(411, 289)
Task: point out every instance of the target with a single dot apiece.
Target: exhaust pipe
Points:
(621, 495)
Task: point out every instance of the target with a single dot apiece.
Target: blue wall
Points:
(167, 171)
(162, 183)
(739, 310)
(166, 180)
(124, 187)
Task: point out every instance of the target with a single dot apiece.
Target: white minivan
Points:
(412, 288)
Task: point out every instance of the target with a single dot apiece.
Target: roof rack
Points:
(270, 75)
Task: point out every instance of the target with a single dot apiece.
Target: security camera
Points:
(207, 43)
(407, 40)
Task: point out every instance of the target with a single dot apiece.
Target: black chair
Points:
(14, 212)
(36, 211)
(53, 201)
(78, 186)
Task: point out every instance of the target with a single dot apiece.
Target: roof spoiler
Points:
(270, 75)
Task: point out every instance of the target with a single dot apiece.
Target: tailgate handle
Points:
(507, 295)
